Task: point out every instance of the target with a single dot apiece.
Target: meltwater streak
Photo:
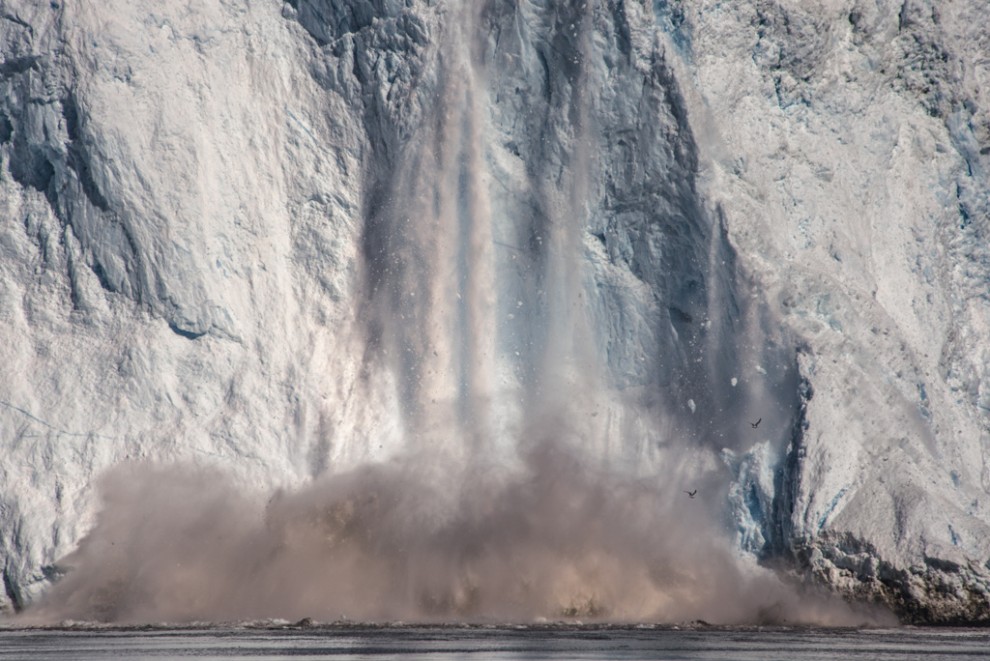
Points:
(479, 518)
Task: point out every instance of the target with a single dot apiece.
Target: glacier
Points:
(318, 239)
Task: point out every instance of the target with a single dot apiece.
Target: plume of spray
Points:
(559, 539)
(499, 508)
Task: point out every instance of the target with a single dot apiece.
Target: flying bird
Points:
(691, 493)
(756, 424)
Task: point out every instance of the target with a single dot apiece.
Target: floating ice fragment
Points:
(734, 382)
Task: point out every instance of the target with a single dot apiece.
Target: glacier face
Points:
(292, 239)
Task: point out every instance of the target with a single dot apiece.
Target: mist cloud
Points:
(409, 540)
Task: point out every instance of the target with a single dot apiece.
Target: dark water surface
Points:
(451, 642)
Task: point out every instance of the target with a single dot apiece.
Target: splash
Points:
(390, 542)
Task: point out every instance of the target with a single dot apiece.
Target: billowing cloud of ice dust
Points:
(406, 541)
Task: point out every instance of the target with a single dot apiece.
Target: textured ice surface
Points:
(208, 251)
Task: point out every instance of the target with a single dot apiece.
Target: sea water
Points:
(273, 641)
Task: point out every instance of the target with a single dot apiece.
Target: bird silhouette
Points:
(756, 424)
(691, 493)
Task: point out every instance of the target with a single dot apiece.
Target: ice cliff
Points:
(291, 238)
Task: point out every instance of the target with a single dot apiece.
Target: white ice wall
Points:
(846, 146)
